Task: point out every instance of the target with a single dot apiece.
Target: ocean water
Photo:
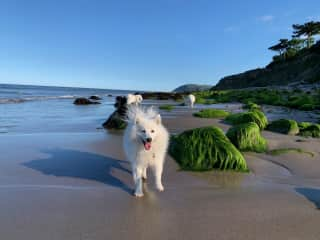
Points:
(39, 109)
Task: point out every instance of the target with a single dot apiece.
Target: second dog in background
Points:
(190, 100)
(134, 99)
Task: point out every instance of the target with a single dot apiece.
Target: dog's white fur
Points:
(144, 124)
(190, 100)
(134, 99)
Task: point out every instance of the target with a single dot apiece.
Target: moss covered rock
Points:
(206, 149)
(307, 107)
(247, 137)
(255, 116)
(308, 129)
(285, 126)
(251, 106)
(211, 113)
(166, 107)
(206, 101)
(304, 125)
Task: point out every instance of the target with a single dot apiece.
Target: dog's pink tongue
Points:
(147, 146)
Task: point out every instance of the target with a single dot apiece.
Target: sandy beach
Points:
(78, 186)
(220, 100)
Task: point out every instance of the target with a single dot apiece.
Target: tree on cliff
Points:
(296, 44)
(280, 47)
(308, 29)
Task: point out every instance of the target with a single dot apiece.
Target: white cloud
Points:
(266, 18)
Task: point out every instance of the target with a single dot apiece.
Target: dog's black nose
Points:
(149, 140)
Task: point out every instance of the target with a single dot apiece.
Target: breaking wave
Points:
(35, 98)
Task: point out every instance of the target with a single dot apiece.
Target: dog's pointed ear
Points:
(158, 119)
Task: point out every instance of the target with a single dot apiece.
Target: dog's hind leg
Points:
(144, 174)
(137, 177)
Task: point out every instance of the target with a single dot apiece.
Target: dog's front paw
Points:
(138, 194)
(160, 188)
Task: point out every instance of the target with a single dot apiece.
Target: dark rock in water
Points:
(109, 95)
(162, 96)
(84, 101)
(117, 118)
(115, 122)
(94, 97)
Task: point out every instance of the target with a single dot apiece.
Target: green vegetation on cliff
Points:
(298, 61)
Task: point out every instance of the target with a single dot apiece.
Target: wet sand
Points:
(78, 186)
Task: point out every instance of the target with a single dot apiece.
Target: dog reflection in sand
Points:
(145, 143)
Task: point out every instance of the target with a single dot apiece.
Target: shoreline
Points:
(86, 119)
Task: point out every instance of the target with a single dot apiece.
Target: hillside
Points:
(191, 88)
(303, 68)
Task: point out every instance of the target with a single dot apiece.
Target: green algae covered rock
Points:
(211, 113)
(255, 116)
(206, 149)
(284, 126)
(247, 137)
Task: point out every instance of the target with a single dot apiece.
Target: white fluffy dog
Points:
(145, 143)
(134, 99)
(190, 100)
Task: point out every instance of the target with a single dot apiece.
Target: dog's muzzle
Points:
(147, 143)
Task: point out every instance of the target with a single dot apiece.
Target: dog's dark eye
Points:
(152, 131)
(144, 131)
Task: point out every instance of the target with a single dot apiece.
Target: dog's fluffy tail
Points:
(135, 112)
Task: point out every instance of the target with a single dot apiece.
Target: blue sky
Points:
(140, 44)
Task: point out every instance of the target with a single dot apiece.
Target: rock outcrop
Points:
(84, 101)
(117, 119)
